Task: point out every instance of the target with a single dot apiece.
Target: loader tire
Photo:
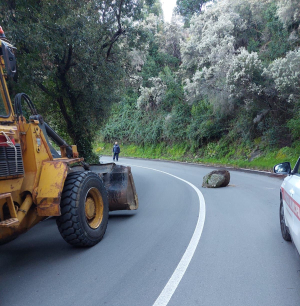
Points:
(84, 209)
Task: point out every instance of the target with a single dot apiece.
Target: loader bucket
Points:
(119, 184)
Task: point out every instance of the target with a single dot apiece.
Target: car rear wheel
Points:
(284, 229)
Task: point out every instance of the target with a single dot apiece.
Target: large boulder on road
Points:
(216, 178)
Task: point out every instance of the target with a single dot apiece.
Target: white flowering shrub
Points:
(208, 52)
(207, 82)
(151, 97)
(244, 77)
(145, 29)
(135, 81)
(210, 40)
(137, 59)
(288, 11)
(286, 75)
(169, 38)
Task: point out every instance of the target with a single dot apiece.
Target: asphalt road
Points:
(240, 259)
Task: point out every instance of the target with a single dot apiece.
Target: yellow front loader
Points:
(36, 182)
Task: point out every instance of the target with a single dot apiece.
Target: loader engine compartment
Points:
(11, 162)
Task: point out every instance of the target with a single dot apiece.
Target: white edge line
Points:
(172, 284)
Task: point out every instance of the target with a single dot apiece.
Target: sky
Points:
(168, 6)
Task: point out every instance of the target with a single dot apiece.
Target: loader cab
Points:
(7, 69)
(4, 108)
(5, 104)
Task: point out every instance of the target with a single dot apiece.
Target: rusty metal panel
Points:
(50, 187)
(12, 222)
(10, 203)
(11, 185)
(102, 168)
(120, 188)
(70, 161)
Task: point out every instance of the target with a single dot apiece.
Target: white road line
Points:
(169, 289)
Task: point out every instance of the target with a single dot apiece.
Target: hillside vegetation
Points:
(72, 59)
(220, 83)
(222, 88)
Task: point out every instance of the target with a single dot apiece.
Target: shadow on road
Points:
(122, 215)
(43, 245)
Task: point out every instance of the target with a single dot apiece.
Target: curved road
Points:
(240, 259)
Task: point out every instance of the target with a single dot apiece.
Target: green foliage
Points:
(214, 153)
(176, 122)
(186, 8)
(294, 126)
(159, 151)
(174, 94)
(215, 87)
(153, 7)
(276, 35)
(230, 97)
(157, 62)
(204, 125)
(69, 60)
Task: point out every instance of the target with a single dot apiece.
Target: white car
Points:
(290, 202)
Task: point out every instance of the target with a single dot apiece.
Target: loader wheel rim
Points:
(94, 208)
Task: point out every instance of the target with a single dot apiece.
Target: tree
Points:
(285, 73)
(71, 60)
(207, 54)
(169, 38)
(289, 12)
(232, 74)
(187, 8)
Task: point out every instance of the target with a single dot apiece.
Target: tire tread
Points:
(68, 223)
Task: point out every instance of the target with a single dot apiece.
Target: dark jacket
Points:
(116, 149)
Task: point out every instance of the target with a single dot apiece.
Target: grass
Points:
(213, 154)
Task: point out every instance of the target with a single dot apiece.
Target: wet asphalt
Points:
(241, 258)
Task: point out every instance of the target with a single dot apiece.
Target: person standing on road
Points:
(116, 150)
